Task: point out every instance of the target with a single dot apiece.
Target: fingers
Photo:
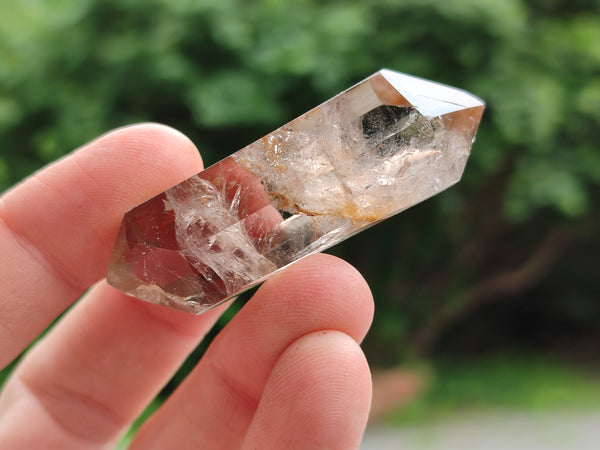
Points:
(317, 396)
(57, 228)
(110, 355)
(96, 371)
(217, 402)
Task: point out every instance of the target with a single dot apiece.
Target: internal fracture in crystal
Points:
(383, 145)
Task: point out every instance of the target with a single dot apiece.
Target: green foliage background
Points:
(507, 258)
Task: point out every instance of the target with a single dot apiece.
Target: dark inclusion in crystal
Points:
(384, 118)
(390, 129)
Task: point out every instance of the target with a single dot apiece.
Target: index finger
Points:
(56, 240)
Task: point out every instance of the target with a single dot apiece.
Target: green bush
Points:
(227, 72)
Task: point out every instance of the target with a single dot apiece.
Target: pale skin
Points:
(287, 372)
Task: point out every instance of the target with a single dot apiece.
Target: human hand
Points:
(287, 372)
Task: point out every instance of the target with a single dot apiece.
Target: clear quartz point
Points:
(383, 145)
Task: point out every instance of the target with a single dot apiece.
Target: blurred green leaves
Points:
(232, 98)
(227, 72)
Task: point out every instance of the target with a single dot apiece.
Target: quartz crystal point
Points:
(378, 148)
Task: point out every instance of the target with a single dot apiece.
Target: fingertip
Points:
(318, 395)
(319, 285)
(326, 360)
(152, 134)
(147, 158)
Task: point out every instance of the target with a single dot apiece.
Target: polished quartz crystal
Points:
(372, 151)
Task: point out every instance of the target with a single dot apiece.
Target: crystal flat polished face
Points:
(378, 148)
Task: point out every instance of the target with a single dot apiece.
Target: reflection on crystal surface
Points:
(372, 151)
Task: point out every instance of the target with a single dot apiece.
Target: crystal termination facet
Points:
(378, 148)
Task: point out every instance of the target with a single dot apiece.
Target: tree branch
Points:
(497, 286)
